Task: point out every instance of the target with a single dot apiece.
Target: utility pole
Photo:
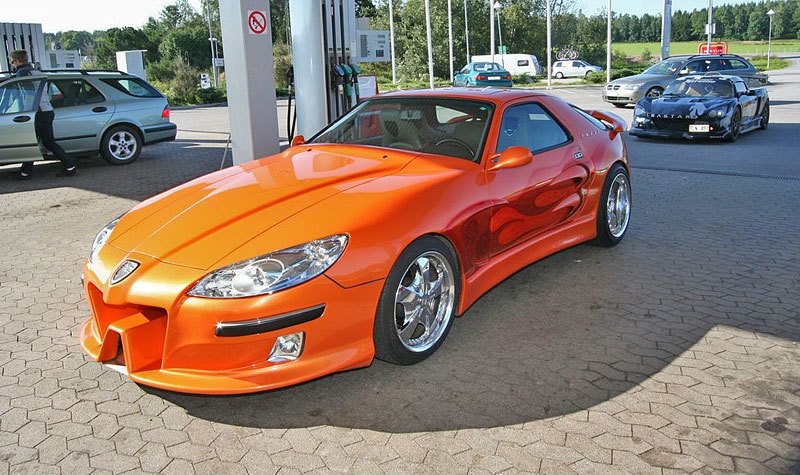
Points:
(666, 28)
(466, 30)
(549, 48)
(450, 34)
(770, 14)
(212, 41)
(491, 28)
(391, 40)
(430, 46)
(608, 45)
(710, 24)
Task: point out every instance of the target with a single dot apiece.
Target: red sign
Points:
(718, 47)
(257, 22)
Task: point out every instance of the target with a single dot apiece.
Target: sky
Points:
(61, 15)
(640, 7)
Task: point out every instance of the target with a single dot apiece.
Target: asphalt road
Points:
(675, 352)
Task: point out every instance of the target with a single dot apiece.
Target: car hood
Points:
(685, 106)
(199, 222)
(641, 78)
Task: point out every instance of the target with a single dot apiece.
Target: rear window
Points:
(523, 62)
(133, 87)
(592, 119)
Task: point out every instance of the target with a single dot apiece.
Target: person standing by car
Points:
(43, 122)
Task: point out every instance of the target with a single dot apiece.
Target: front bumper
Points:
(647, 128)
(621, 95)
(170, 341)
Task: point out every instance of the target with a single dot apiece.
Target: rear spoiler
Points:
(615, 123)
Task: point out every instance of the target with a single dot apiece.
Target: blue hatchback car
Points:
(483, 74)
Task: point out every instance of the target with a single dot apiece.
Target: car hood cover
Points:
(198, 223)
(686, 106)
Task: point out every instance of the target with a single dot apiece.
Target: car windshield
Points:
(667, 66)
(443, 126)
(700, 86)
(488, 67)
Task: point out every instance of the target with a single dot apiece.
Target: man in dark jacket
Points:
(43, 123)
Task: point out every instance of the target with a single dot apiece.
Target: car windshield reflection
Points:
(450, 127)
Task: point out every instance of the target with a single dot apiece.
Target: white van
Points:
(514, 63)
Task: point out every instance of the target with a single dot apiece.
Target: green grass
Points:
(760, 62)
(689, 47)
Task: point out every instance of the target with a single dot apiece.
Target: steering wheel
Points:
(458, 142)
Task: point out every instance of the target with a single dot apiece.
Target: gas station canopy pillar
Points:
(250, 79)
(309, 65)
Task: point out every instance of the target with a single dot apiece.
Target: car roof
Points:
(705, 56)
(495, 95)
(72, 73)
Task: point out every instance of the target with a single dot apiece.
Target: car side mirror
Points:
(512, 157)
(298, 140)
(750, 92)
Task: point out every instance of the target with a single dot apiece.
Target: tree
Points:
(119, 39)
(758, 26)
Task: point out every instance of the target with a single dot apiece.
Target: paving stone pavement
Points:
(676, 351)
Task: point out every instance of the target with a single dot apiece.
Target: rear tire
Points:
(418, 302)
(559, 75)
(121, 145)
(614, 209)
(764, 117)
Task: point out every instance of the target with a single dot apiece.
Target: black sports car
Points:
(707, 106)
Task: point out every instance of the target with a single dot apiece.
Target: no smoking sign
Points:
(257, 22)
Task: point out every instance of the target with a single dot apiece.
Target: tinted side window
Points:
(577, 64)
(133, 87)
(530, 126)
(591, 119)
(19, 96)
(740, 87)
(72, 92)
(696, 67)
(523, 62)
(557, 65)
(739, 64)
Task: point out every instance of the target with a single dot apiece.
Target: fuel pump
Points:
(337, 79)
(356, 72)
(348, 86)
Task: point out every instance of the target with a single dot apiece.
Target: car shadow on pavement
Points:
(160, 167)
(586, 327)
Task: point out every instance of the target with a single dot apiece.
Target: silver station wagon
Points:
(107, 112)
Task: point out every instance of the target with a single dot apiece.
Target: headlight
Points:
(716, 113)
(632, 87)
(272, 272)
(639, 110)
(101, 238)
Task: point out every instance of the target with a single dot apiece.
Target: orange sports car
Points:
(364, 241)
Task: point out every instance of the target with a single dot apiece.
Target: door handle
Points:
(99, 109)
(22, 118)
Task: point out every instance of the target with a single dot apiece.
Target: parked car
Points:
(514, 63)
(654, 80)
(702, 106)
(110, 112)
(483, 74)
(365, 241)
(577, 68)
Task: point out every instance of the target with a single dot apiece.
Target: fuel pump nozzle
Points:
(356, 71)
(348, 86)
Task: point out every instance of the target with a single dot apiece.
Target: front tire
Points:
(614, 210)
(559, 75)
(418, 302)
(654, 92)
(736, 127)
(121, 145)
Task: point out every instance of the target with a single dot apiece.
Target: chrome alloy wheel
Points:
(424, 301)
(618, 206)
(122, 145)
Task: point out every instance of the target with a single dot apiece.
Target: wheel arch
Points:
(111, 125)
(460, 270)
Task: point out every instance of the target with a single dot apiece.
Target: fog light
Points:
(287, 348)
